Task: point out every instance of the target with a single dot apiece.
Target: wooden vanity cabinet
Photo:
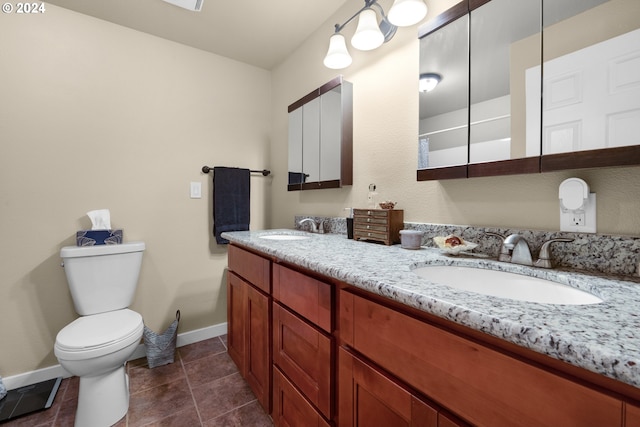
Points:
(481, 385)
(248, 320)
(369, 397)
(302, 349)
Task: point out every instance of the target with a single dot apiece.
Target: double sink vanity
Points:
(332, 331)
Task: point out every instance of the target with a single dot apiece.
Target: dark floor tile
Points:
(247, 415)
(157, 403)
(221, 396)
(71, 391)
(195, 351)
(166, 395)
(211, 368)
(143, 377)
(187, 418)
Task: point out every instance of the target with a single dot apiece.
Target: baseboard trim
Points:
(44, 374)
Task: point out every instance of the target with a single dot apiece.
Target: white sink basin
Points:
(506, 285)
(284, 236)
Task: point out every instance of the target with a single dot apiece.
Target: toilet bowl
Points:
(95, 348)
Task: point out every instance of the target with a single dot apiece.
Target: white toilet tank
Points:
(103, 277)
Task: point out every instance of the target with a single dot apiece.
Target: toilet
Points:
(95, 347)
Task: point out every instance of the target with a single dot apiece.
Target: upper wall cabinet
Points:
(584, 112)
(444, 99)
(591, 84)
(321, 138)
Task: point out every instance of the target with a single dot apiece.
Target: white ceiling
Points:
(261, 33)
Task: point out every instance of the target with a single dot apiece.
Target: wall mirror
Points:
(591, 81)
(320, 138)
(505, 46)
(444, 114)
(584, 112)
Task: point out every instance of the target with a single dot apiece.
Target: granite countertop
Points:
(603, 338)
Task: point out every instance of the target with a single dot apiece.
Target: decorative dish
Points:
(387, 204)
(453, 245)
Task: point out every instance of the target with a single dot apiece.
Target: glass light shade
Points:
(428, 82)
(404, 13)
(337, 56)
(368, 35)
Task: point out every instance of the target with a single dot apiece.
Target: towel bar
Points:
(264, 172)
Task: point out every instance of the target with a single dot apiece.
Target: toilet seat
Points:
(98, 334)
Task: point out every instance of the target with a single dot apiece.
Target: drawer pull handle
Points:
(368, 219)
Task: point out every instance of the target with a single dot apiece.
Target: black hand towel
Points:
(231, 190)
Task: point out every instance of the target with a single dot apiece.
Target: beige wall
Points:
(385, 150)
(94, 115)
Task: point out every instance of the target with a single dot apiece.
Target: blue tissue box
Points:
(98, 237)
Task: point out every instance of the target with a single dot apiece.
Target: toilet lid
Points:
(99, 330)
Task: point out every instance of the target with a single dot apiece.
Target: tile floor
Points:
(201, 388)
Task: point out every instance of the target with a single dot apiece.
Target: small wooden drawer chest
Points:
(380, 225)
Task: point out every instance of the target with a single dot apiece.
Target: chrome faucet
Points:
(544, 258)
(515, 249)
(316, 227)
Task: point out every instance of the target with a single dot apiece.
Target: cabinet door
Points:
(632, 416)
(303, 353)
(236, 296)
(257, 333)
(290, 408)
(370, 398)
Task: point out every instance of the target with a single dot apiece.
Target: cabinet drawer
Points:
(371, 227)
(290, 408)
(303, 353)
(308, 297)
(251, 267)
(478, 383)
(379, 213)
(361, 234)
(361, 221)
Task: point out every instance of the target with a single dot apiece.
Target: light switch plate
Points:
(196, 190)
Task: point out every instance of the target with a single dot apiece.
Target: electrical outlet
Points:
(583, 222)
(578, 219)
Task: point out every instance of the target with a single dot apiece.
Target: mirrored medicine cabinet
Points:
(321, 138)
(529, 86)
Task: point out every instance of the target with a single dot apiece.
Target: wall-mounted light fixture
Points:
(429, 81)
(370, 34)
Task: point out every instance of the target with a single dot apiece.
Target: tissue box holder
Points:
(98, 237)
